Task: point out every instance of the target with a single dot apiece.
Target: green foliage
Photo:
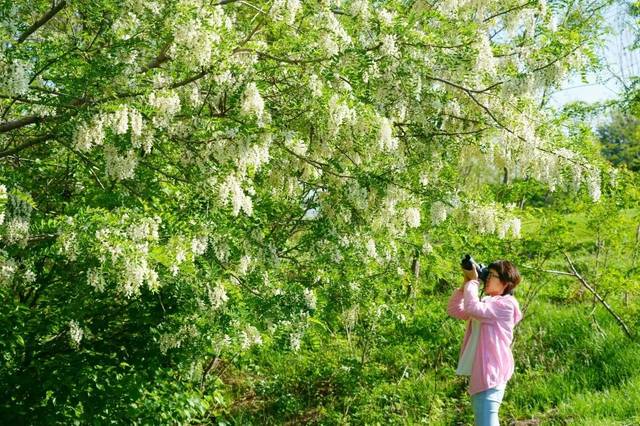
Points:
(253, 211)
(620, 141)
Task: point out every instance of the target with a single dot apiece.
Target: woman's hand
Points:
(469, 275)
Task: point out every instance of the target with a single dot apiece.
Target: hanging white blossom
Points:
(387, 141)
(389, 47)
(310, 298)
(199, 245)
(250, 336)
(15, 77)
(252, 102)
(89, 134)
(231, 190)
(295, 340)
(412, 216)
(120, 167)
(121, 120)
(75, 333)
(135, 120)
(371, 248)
(217, 295)
(439, 213)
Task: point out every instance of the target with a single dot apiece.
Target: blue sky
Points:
(621, 61)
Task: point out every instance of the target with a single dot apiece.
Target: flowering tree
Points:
(183, 179)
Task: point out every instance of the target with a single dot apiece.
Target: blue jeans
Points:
(486, 405)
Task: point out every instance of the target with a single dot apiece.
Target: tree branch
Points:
(32, 142)
(16, 124)
(40, 22)
(158, 60)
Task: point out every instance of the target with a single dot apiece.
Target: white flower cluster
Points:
(3, 202)
(120, 167)
(217, 296)
(295, 340)
(510, 227)
(199, 245)
(357, 195)
(29, 276)
(121, 120)
(388, 47)
(339, 113)
(350, 317)
(92, 133)
(252, 102)
(594, 184)
(15, 77)
(166, 104)
(484, 219)
(144, 230)
(439, 212)
(196, 38)
(75, 333)
(371, 248)
(509, 156)
(360, 9)
(285, 10)
(17, 230)
(245, 153)
(486, 61)
(230, 189)
(250, 336)
(315, 85)
(310, 298)
(386, 17)
(412, 215)
(340, 35)
(128, 249)
(126, 25)
(8, 268)
(89, 134)
(194, 42)
(135, 273)
(295, 144)
(387, 141)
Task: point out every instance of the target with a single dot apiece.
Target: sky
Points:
(622, 63)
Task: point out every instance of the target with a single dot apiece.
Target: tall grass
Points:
(572, 367)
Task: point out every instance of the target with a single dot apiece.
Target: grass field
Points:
(572, 367)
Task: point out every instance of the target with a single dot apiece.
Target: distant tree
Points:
(621, 140)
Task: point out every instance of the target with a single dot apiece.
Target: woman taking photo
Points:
(485, 354)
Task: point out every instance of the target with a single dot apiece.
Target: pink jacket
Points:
(493, 362)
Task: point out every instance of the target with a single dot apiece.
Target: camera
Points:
(468, 263)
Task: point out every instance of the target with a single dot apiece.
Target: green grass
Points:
(572, 368)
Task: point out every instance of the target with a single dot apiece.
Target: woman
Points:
(486, 349)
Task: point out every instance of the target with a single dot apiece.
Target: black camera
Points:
(468, 263)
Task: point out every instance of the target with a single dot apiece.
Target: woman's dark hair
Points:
(508, 274)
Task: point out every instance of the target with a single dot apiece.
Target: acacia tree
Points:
(185, 179)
